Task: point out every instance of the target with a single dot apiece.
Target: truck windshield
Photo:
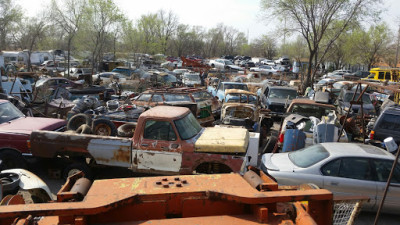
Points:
(9, 112)
(188, 126)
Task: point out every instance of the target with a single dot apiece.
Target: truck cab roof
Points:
(169, 112)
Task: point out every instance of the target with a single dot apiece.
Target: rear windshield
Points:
(177, 98)
(365, 98)
(201, 96)
(283, 94)
(236, 86)
(389, 122)
(310, 110)
(308, 156)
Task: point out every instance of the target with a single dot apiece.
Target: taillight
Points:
(28, 144)
(372, 135)
(281, 137)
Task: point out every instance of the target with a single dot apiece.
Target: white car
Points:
(224, 64)
(265, 69)
(343, 168)
(268, 62)
(191, 79)
(107, 77)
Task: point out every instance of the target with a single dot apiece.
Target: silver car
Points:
(343, 168)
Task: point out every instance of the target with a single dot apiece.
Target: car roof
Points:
(282, 87)
(180, 90)
(3, 101)
(356, 150)
(394, 109)
(310, 102)
(239, 91)
(169, 112)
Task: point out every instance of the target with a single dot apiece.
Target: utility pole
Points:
(397, 48)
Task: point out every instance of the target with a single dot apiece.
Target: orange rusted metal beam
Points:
(200, 199)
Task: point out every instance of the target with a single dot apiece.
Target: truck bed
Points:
(113, 151)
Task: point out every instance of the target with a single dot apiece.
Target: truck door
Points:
(159, 148)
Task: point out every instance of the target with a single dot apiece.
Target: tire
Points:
(84, 129)
(77, 120)
(104, 127)
(126, 130)
(269, 147)
(11, 159)
(76, 167)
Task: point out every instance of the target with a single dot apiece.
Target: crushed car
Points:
(242, 108)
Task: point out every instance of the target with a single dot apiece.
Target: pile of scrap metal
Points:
(89, 116)
(254, 198)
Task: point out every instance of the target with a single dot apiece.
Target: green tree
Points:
(100, 21)
(314, 19)
(10, 17)
(371, 45)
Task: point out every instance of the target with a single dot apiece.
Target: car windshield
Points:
(201, 96)
(308, 156)
(177, 98)
(349, 96)
(310, 110)
(283, 94)
(236, 86)
(241, 98)
(9, 112)
(188, 126)
(192, 77)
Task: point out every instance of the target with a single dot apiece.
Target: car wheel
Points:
(11, 159)
(84, 129)
(77, 120)
(104, 127)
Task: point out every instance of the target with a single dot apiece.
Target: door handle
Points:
(146, 145)
(334, 183)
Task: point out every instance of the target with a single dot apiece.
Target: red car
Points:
(15, 131)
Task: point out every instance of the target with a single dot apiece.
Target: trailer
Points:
(230, 199)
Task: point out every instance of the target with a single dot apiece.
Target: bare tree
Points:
(30, 31)
(68, 14)
(167, 26)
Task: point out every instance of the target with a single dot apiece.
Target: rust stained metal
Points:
(165, 112)
(226, 198)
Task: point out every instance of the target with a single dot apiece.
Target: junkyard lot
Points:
(41, 169)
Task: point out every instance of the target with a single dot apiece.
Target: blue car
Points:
(219, 90)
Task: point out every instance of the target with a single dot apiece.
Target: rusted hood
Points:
(25, 125)
(223, 140)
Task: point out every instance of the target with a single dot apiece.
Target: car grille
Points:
(277, 108)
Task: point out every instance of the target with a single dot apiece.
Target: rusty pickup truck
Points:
(167, 140)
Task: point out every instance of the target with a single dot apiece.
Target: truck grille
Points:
(277, 108)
